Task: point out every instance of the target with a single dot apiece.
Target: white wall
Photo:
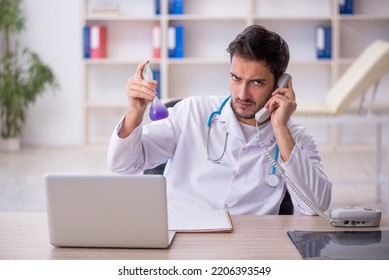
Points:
(53, 30)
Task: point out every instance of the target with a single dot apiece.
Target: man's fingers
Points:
(139, 88)
(139, 69)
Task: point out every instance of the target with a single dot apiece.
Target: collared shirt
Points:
(238, 182)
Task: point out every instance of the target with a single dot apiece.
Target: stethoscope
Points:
(272, 179)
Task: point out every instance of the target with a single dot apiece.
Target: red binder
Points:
(98, 41)
(156, 41)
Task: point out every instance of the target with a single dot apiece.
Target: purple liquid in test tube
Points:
(158, 110)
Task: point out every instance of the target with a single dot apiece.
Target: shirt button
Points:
(244, 149)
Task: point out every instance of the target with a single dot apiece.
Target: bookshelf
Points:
(209, 27)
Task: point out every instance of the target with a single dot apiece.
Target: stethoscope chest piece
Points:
(272, 180)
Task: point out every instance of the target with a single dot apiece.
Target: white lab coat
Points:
(238, 182)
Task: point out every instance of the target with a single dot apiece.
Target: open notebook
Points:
(200, 221)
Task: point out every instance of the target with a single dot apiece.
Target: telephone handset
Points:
(263, 114)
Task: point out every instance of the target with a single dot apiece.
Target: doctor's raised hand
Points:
(283, 104)
(139, 93)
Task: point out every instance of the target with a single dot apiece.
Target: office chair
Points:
(286, 207)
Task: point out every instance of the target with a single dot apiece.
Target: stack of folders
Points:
(95, 41)
(175, 39)
(105, 8)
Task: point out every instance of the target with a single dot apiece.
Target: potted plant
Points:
(23, 75)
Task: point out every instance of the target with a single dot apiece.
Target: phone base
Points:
(355, 216)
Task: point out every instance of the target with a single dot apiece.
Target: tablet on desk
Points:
(107, 211)
(348, 245)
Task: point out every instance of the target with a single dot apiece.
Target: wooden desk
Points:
(25, 236)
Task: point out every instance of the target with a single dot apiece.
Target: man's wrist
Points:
(130, 122)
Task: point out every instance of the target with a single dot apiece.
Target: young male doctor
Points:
(215, 160)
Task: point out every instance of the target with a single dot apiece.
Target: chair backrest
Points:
(367, 68)
(286, 207)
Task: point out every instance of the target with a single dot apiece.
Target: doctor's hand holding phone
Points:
(283, 97)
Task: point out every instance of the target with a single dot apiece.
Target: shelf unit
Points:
(209, 27)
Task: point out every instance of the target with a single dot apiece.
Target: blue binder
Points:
(176, 41)
(176, 7)
(86, 39)
(157, 9)
(180, 46)
(346, 7)
(171, 46)
(323, 42)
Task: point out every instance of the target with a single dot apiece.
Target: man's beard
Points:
(241, 115)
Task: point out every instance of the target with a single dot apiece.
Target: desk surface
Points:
(25, 236)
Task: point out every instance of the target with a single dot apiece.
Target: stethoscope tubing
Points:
(272, 179)
(218, 112)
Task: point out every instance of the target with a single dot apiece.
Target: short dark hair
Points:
(259, 44)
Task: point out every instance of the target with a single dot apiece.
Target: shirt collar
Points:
(232, 126)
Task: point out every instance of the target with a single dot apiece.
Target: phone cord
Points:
(289, 182)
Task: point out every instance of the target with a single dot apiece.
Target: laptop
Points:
(115, 211)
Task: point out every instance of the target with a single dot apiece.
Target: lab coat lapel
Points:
(229, 119)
